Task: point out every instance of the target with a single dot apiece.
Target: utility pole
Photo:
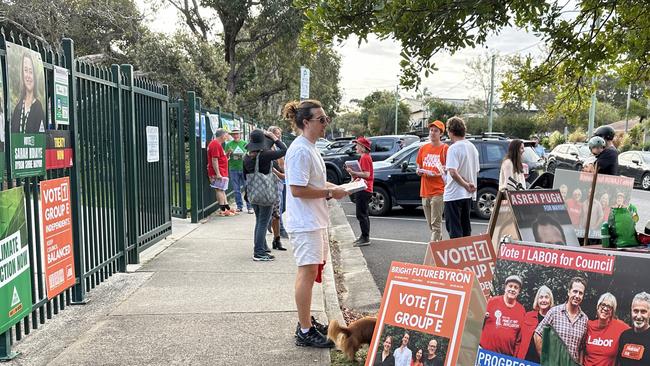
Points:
(491, 106)
(627, 105)
(592, 109)
(396, 106)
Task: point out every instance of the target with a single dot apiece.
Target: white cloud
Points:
(375, 65)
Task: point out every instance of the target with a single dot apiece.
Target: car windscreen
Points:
(400, 154)
(530, 155)
(584, 151)
(646, 157)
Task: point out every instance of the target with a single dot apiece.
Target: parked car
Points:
(336, 145)
(397, 184)
(636, 164)
(381, 147)
(568, 156)
(322, 143)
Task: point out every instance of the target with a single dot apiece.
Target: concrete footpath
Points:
(197, 299)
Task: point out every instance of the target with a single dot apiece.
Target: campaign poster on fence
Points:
(26, 95)
(471, 253)
(575, 187)
(203, 132)
(62, 103)
(15, 280)
(56, 219)
(58, 152)
(214, 122)
(425, 306)
(542, 217)
(604, 292)
(2, 128)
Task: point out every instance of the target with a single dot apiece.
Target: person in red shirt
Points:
(503, 320)
(362, 198)
(574, 206)
(218, 170)
(431, 161)
(603, 333)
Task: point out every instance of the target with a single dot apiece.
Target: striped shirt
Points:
(572, 333)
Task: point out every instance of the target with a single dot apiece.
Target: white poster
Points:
(61, 115)
(153, 144)
(304, 83)
(203, 132)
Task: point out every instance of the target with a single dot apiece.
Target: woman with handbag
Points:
(261, 185)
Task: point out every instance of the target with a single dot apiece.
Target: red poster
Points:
(57, 235)
(472, 253)
(423, 306)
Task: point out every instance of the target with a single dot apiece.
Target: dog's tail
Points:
(335, 330)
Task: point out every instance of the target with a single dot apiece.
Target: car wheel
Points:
(579, 167)
(645, 181)
(332, 177)
(485, 199)
(379, 204)
(550, 167)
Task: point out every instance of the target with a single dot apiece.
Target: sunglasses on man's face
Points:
(322, 119)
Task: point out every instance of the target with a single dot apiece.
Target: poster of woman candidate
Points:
(26, 97)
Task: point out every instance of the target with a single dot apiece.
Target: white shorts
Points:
(310, 247)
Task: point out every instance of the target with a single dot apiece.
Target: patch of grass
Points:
(339, 359)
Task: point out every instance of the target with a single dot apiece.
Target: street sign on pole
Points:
(304, 83)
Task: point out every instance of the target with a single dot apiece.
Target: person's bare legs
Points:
(275, 227)
(221, 197)
(304, 285)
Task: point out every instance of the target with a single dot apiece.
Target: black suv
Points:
(568, 156)
(381, 147)
(396, 182)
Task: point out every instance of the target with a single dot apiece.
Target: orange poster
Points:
(57, 235)
(472, 253)
(423, 315)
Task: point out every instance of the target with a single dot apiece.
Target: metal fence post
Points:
(182, 157)
(79, 289)
(194, 184)
(199, 164)
(130, 187)
(165, 129)
(119, 167)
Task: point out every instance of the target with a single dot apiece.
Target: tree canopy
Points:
(585, 41)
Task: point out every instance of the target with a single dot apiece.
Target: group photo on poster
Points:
(26, 105)
(595, 304)
(405, 347)
(575, 187)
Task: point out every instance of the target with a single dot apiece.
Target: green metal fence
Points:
(120, 179)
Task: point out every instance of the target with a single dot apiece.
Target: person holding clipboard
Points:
(362, 198)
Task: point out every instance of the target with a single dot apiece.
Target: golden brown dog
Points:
(349, 339)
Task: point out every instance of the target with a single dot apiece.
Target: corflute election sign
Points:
(428, 308)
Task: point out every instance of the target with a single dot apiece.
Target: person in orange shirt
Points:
(431, 169)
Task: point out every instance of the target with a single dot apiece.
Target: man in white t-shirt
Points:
(307, 217)
(462, 173)
(403, 355)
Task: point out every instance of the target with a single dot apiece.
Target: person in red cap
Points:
(362, 198)
(431, 161)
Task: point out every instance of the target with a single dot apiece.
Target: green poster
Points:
(15, 280)
(61, 96)
(2, 128)
(25, 102)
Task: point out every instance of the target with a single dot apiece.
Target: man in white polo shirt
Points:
(307, 217)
